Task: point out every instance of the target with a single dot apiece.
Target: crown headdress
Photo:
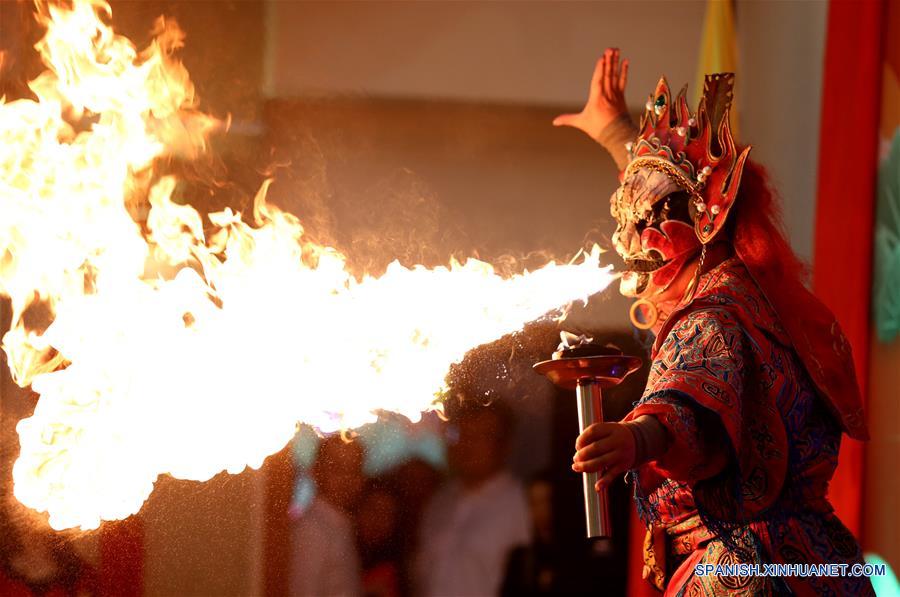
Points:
(696, 151)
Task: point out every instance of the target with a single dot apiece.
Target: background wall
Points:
(542, 53)
(782, 48)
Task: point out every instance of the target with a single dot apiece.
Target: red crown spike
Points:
(726, 140)
(704, 138)
(647, 119)
(718, 92)
(723, 183)
(683, 128)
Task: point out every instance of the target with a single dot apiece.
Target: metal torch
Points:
(587, 368)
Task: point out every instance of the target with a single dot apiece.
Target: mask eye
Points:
(678, 207)
(664, 212)
(642, 223)
(673, 207)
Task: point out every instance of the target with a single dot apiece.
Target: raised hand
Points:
(606, 98)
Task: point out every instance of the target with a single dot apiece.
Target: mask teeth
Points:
(643, 266)
(642, 282)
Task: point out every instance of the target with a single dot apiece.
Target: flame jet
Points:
(211, 366)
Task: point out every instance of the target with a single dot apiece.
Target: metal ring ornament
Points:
(652, 314)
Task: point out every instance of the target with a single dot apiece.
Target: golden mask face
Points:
(654, 234)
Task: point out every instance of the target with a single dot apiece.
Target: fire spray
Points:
(208, 326)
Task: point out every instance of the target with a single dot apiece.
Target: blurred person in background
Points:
(39, 561)
(536, 568)
(377, 535)
(473, 522)
(414, 483)
(558, 561)
(324, 559)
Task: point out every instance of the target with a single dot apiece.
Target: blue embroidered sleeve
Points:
(695, 388)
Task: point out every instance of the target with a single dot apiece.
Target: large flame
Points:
(168, 349)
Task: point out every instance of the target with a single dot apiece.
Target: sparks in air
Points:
(189, 344)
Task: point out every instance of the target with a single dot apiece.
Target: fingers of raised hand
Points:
(616, 75)
(568, 120)
(623, 76)
(607, 72)
(615, 71)
(598, 73)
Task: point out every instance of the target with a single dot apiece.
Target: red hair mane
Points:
(759, 241)
(757, 230)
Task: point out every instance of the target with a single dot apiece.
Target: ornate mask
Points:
(679, 186)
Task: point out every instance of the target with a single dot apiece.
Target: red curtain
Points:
(637, 586)
(842, 261)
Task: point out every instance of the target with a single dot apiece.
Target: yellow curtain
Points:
(718, 50)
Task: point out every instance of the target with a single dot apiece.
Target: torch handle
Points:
(596, 504)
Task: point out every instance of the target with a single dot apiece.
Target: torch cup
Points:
(588, 369)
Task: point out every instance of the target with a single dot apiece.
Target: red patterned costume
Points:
(751, 377)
